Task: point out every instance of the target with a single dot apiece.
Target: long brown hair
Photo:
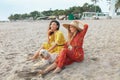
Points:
(71, 35)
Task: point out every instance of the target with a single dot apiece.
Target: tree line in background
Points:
(117, 4)
(35, 15)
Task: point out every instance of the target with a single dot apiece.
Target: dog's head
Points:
(44, 53)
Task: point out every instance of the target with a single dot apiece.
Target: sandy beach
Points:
(101, 46)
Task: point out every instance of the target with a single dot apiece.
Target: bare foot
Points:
(29, 58)
(57, 70)
(41, 72)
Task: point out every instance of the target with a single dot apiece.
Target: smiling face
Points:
(53, 26)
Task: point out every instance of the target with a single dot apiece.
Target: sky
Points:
(8, 7)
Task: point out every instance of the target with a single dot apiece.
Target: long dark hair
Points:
(58, 26)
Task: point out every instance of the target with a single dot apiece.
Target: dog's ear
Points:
(42, 55)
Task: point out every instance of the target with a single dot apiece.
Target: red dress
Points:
(76, 54)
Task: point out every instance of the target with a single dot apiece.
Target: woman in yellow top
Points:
(56, 39)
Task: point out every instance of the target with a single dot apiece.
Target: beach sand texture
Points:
(101, 46)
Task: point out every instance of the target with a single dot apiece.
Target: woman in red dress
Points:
(72, 51)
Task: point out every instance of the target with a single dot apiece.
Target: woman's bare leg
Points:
(49, 68)
(57, 70)
(36, 54)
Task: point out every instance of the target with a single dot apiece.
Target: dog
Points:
(47, 58)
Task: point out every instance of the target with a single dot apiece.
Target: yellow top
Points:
(57, 38)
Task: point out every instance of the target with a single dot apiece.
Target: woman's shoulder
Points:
(59, 32)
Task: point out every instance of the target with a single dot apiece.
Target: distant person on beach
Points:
(72, 51)
(55, 42)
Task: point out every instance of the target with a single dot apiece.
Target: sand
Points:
(101, 46)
